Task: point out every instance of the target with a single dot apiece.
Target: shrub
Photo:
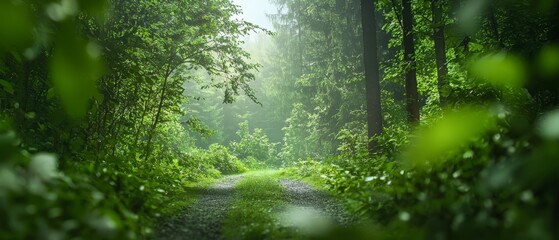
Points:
(499, 184)
(37, 201)
(254, 145)
(112, 198)
(223, 161)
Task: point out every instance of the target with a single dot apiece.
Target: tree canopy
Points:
(432, 119)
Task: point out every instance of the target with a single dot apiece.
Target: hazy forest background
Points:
(431, 119)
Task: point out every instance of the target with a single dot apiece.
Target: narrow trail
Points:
(305, 198)
(204, 219)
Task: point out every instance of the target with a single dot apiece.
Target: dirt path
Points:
(202, 220)
(305, 198)
(307, 208)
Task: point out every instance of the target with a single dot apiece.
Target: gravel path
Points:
(318, 206)
(308, 209)
(203, 219)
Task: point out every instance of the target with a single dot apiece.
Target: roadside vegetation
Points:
(431, 119)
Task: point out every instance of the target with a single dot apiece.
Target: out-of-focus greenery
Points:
(482, 165)
(105, 123)
(484, 171)
(99, 85)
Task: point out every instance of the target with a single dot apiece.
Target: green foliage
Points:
(219, 156)
(254, 146)
(15, 25)
(478, 171)
(39, 201)
(352, 144)
(501, 70)
(101, 84)
(75, 67)
(433, 144)
(118, 96)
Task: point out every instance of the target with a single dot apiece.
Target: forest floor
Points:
(257, 205)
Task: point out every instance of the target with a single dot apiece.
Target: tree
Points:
(412, 97)
(372, 78)
(327, 80)
(440, 49)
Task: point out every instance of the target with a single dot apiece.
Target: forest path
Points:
(316, 204)
(240, 206)
(203, 219)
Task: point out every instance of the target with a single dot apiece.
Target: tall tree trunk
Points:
(157, 118)
(372, 76)
(440, 50)
(494, 25)
(412, 97)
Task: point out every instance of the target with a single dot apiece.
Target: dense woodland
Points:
(432, 119)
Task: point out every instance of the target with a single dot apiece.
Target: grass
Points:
(259, 196)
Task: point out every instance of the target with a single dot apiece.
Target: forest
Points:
(350, 119)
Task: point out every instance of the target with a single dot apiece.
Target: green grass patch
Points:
(252, 216)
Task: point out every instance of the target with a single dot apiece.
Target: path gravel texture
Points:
(308, 210)
(307, 200)
(202, 220)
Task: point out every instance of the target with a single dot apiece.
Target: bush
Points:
(112, 198)
(37, 201)
(222, 160)
(254, 146)
(499, 184)
(253, 163)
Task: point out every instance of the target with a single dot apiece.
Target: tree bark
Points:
(440, 50)
(372, 75)
(412, 97)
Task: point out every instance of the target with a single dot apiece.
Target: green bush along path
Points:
(257, 205)
(429, 120)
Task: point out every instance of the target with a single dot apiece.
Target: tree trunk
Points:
(494, 25)
(139, 127)
(158, 114)
(412, 97)
(440, 50)
(372, 79)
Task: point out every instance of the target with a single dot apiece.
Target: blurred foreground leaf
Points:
(15, 24)
(548, 61)
(75, 68)
(548, 125)
(449, 134)
(44, 166)
(501, 70)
